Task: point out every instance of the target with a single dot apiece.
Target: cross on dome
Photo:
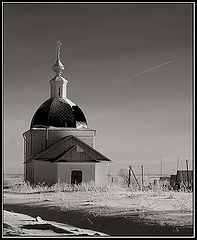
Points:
(58, 67)
(58, 45)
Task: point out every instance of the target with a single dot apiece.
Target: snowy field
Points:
(134, 212)
(16, 224)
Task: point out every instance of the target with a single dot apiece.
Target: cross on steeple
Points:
(58, 45)
(58, 67)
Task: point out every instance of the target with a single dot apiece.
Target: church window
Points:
(59, 91)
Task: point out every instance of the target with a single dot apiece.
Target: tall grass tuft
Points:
(26, 187)
(183, 202)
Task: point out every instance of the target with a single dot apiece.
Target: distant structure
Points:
(183, 179)
(59, 146)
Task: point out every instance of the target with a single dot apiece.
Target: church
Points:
(59, 146)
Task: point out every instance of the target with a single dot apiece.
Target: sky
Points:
(128, 66)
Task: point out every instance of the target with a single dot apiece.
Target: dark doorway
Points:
(76, 177)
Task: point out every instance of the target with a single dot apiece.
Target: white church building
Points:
(59, 146)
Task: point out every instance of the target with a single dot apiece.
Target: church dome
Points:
(58, 112)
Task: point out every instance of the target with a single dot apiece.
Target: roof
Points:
(58, 112)
(65, 149)
(165, 178)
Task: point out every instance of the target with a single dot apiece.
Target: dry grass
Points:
(107, 195)
(183, 203)
(26, 187)
(161, 206)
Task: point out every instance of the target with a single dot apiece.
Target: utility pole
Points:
(187, 174)
(142, 178)
(134, 177)
(178, 164)
(177, 170)
(129, 180)
(161, 166)
(161, 180)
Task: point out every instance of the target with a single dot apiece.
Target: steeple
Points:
(58, 83)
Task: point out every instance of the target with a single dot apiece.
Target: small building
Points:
(59, 146)
(183, 179)
(165, 181)
(173, 180)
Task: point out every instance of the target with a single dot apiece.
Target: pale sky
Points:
(129, 68)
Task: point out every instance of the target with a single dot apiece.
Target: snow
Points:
(16, 224)
(70, 102)
(163, 207)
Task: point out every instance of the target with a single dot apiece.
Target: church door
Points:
(76, 177)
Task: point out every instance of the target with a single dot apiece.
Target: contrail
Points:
(150, 69)
(137, 74)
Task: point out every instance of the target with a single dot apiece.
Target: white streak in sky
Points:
(148, 70)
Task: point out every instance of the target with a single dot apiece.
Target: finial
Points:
(58, 45)
(58, 67)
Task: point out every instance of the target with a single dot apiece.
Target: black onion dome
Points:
(58, 112)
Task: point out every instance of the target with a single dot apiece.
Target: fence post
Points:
(142, 178)
(129, 179)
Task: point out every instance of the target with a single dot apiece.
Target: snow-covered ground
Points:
(16, 224)
(164, 208)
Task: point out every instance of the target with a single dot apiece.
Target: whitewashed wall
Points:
(101, 172)
(65, 169)
(41, 171)
(51, 173)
